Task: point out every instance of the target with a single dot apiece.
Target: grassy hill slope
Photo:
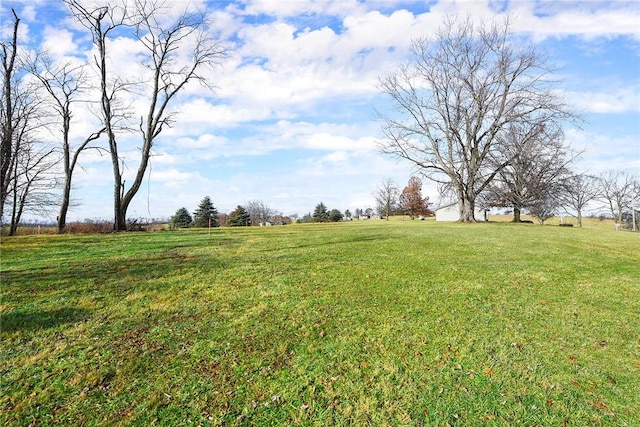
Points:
(380, 323)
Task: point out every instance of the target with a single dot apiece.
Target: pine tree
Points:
(335, 215)
(320, 214)
(182, 218)
(206, 215)
(239, 217)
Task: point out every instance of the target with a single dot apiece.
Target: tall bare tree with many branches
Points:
(9, 111)
(457, 100)
(27, 178)
(535, 171)
(176, 52)
(577, 191)
(387, 195)
(618, 189)
(64, 84)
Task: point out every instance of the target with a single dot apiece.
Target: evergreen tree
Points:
(335, 215)
(239, 217)
(320, 214)
(306, 218)
(182, 218)
(206, 215)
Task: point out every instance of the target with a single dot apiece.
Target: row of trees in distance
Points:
(410, 201)
(567, 193)
(541, 187)
(254, 212)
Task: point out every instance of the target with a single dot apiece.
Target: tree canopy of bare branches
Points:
(387, 197)
(535, 171)
(578, 191)
(458, 100)
(176, 53)
(259, 212)
(27, 178)
(63, 84)
(619, 188)
(9, 111)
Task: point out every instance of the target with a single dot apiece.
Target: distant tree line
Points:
(205, 215)
(254, 212)
(547, 188)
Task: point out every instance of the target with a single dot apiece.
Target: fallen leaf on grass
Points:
(599, 404)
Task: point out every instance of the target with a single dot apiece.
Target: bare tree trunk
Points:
(64, 205)
(466, 206)
(119, 213)
(70, 163)
(516, 215)
(16, 209)
(68, 171)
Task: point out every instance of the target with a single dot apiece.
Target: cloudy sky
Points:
(292, 121)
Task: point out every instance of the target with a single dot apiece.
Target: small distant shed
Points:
(451, 213)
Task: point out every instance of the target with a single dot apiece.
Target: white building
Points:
(451, 213)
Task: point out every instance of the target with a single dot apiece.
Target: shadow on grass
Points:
(28, 320)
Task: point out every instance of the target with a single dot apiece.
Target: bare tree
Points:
(458, 99)
(533, 171)
(577, 192)
(27, 182)
(618, 188)
(8, 112)
(101, 22)
(33, 181)
(64, 84)
(176, 55)
(259, 212)
(387, 197)
(544, 208)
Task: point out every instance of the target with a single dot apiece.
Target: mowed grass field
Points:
(362, 323)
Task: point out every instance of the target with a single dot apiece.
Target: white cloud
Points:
(584, 19)
(284, 9)
(59, 42)
(605, 152)
(616, 100)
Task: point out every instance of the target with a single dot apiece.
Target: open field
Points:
(362, 323)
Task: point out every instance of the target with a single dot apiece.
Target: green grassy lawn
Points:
(362, 323)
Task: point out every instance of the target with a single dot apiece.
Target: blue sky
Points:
(292, 122)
